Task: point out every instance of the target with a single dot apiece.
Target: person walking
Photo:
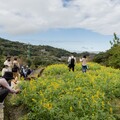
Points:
(71, 63)
(84, 63)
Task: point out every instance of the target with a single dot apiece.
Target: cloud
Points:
(28, 16)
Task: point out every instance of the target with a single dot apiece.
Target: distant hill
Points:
(34, 55)
(39, 55)
(8, 47)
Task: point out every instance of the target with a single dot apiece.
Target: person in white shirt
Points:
(5, 69)
(8, 62)
(71, 62)
(84, 63)
(15, 69)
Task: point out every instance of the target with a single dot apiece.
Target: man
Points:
(71, 62)
(5, 88)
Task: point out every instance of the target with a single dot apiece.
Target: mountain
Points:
(39, 55)
(35, 55)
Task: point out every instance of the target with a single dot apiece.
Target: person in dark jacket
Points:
(71, 62)
(5, 87)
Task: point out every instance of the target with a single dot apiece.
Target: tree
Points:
(116, 41)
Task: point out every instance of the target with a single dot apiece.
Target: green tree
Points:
(112, 56)
(116, 41)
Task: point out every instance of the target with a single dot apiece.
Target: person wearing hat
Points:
(5, 88)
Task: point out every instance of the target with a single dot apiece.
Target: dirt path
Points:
(1, 114)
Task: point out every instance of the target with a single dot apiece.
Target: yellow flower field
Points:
(60, 94)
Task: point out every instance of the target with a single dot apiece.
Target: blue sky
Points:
(73, 25)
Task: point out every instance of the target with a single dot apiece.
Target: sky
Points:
(73, 25)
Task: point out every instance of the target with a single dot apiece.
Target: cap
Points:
(8, 76)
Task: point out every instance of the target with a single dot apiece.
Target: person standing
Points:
(71, 62)
(5, 69)
(84, 63)
(15, 69)
(8, 62)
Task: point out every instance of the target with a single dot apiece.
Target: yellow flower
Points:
(71, 108)
(111, 110)
(78, 89)
(33, 100)
(93, 99)
(47, 105)
(97, 94)
(103, 104)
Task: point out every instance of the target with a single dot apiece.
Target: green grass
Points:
(62, 95)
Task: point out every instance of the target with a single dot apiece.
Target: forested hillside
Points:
(112, 56)
(34, 55)
(31, 53)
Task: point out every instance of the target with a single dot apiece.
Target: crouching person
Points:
(5, 88)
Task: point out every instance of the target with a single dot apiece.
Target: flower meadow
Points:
(60, 94)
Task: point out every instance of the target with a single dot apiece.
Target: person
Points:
(5, 88)
(23, 71)
(8, 62)
(84, 63)
(4, 69)
(15, 69)
(71, 62)
(28, 70)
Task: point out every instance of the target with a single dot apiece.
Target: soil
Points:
(13, 112)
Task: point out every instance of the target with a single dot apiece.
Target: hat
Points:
(8, 76)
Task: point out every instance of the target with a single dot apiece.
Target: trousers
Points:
(3, 93)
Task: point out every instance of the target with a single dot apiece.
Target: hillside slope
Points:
(63, 95)
(33, 54)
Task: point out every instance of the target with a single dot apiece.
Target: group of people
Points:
(11, 66)
(72, 61)
(10, 73)
(25, 71)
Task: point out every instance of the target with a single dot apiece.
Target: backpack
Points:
(15, 68)
(72, 61)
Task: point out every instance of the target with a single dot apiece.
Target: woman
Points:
(15, 69)
(5, 69)
(5, 88)
(84, 64)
